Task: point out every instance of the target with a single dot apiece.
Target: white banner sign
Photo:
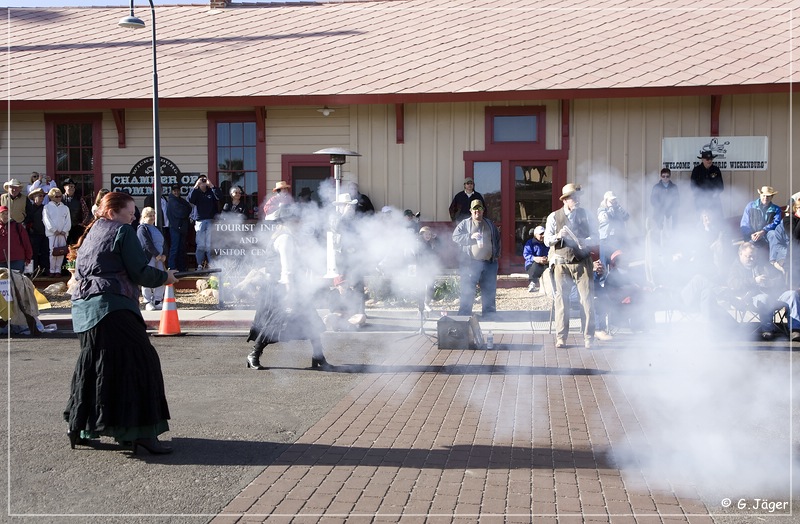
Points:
(733, 153)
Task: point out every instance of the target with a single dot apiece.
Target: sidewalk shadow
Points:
(196, 451)
(457, 369)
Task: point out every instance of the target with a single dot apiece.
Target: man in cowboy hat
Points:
(282, 196)
(460, 206)
(707, 184)
(569, 234)
(18, 205)
(762, 224)
(205, 197)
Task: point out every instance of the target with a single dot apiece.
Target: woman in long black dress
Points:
(117, 388)
(284, 311)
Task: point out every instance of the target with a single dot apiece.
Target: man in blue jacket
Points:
(205, 197)
(762, 224)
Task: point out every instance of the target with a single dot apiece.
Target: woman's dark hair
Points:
(113, 201)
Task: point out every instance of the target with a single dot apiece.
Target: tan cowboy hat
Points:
(281, 185)
(37, 191)
(569, 190)
(767, 190)
(13, 183)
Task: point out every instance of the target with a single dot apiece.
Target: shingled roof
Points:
(397, 51)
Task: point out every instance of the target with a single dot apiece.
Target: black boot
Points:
(318, 357)
(321, 363)
(253, 359)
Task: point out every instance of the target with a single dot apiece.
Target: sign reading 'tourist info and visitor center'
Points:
(733, 153)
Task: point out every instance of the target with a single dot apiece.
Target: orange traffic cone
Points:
(169, 325)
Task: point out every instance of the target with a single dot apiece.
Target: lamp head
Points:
(338, 155)
(131, 22)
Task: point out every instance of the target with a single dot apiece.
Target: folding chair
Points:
(782, 321)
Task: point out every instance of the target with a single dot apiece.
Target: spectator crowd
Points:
(586, 259)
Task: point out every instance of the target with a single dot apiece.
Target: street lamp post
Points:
(133, 22)
(338, 156)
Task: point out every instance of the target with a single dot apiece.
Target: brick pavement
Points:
(517, 434)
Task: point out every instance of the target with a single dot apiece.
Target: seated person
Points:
(762, 224)
(759, 286)
(535, 255)
(707, 251)
(627, 293)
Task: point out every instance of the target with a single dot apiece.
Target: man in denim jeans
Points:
(479, 241)
(204, 196)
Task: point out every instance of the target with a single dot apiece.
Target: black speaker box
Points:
(459, 332)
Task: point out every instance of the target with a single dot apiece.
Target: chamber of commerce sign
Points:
(139, 181)
(733, 153)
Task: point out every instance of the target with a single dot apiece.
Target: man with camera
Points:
(205, 197)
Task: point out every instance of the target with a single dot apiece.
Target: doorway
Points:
(519, 197)
(305, 173)
(306, 180)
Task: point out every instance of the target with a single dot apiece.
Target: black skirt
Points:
(117, 385)
(280, 317)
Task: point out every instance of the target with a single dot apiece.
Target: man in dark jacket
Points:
(761, 287)
(707, 184)
(205, 197)
(38, 238)
(460, 206)
(665, 201)
(178, 211)
(78, 211)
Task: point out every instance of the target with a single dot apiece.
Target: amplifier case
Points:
(459, 332)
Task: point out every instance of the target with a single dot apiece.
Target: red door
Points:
(519, 196)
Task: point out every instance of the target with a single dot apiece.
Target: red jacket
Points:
(20, 244)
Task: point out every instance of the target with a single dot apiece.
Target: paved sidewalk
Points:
(522, 433)
(436, 435)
